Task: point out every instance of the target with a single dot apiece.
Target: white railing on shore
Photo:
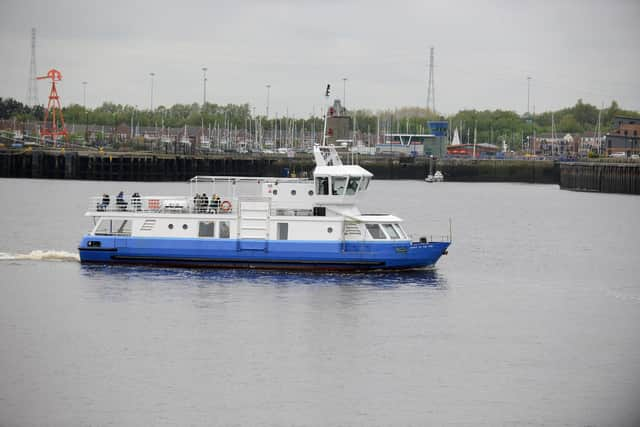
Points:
(161, 204)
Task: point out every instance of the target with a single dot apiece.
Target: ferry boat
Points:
(243, 222)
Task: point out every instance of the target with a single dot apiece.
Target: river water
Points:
(532, 319)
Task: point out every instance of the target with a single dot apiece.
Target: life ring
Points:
(225, 206)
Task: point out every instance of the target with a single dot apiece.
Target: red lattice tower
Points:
(50, 127)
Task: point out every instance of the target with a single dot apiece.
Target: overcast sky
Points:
(484, 52)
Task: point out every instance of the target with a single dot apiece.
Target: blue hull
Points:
(274, 254)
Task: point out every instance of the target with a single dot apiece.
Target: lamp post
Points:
(86, 113)
(84, 94)
(529, 111)
(528, 93)
(151, 103)
(268, 94)
(344, 93)
(204, 84)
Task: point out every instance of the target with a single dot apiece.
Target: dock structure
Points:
(138, 166)
(601, 177)
(609, 177)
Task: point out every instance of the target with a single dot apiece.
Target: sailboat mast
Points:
(598, 133)
(553, 134)
(475, 135)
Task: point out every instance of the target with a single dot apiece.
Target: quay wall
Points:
(92, 165)
(55, 164)
(601, 177)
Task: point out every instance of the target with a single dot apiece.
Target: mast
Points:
(553, 134)
(326, 112)
(598, 132)
(475, 135)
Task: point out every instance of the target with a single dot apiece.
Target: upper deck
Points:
(333, 185)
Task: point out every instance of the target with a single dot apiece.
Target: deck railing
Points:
(161, 204)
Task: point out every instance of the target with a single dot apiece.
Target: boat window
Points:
(322, 185)
(206, 228)
(400, 231)
(103, 227)
(365, 183)
(113, 227)
(375, 231)
(391, 232)
(283, 231)
(224, 231)
(337, 185)
(352, 186)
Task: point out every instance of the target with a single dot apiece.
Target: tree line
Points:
(490, 126)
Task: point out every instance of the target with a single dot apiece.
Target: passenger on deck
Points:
(136, 202)
(214, 206)
(104, 203)
(204, 201)
(120, 202)
(196, 202)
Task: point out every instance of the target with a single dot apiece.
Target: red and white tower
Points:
(53, 125)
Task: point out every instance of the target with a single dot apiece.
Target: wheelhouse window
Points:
(375, 231)
(391, 232)
(352, 186)
(400, 231)
(206, 228)
(322, 186)
(224, 231)
(338, 184)
(365, 183)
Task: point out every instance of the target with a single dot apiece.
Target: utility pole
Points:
(431, 87)
(32, 88)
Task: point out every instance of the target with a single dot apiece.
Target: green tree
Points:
(569, 124)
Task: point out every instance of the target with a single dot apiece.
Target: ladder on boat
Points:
(352, 237)
(253, 224)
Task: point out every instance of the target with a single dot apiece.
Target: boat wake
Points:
(39, 255)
